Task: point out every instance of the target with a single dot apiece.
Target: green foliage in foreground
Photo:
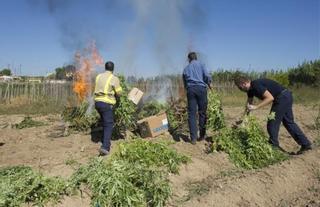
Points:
(21, 184)
(247, 145)
(215, 114)
(119, 183)
(28, 122)
(137, 175)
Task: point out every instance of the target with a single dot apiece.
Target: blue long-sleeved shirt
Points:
(196, 74)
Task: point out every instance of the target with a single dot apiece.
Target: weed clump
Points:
(28, 122)
(247, 145)
(21, 184)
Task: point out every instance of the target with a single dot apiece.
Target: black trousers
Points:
(106, 113)
(197, 102)
(282, 106)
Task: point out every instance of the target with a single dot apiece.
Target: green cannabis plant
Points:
(124, 113)
(21, 184)
(247, 145)
(215, 116)
(137, 175)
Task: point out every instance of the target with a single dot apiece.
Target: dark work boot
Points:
(303, 149)
(103, 152)
(193, 142)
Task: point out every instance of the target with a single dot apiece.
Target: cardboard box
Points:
(154, 125)
(135, 95)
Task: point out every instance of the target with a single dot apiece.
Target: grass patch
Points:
(28, 122)
(23, 105)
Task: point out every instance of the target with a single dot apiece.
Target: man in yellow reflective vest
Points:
(106, 92)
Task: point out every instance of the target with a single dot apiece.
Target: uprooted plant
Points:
(247, 145)
(125, 112)
(215, 119)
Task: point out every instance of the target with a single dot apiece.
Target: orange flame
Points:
(85, 65)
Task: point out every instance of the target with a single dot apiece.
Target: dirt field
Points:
(209, 180)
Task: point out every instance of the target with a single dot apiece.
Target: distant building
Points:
(5, 78)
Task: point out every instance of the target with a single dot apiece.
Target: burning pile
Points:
(82, 117)
(85, 65)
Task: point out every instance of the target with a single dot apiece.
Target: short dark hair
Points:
(109, 66)
(241, 79)
(192, 56)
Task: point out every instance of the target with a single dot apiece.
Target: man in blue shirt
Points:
(270, 91)
(196, 80)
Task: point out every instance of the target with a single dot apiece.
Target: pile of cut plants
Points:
(246, 144)
(135, 175)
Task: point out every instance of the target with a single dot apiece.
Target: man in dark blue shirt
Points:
(196, 79)
(270, 91)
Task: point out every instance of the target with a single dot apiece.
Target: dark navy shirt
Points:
(259, 86)
(196, 74)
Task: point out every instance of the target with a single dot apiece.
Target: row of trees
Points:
(307, 73)
(5, 71)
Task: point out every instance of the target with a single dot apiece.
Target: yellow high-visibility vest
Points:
(107, 85)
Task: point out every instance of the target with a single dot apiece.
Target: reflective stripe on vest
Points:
(106, 97)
